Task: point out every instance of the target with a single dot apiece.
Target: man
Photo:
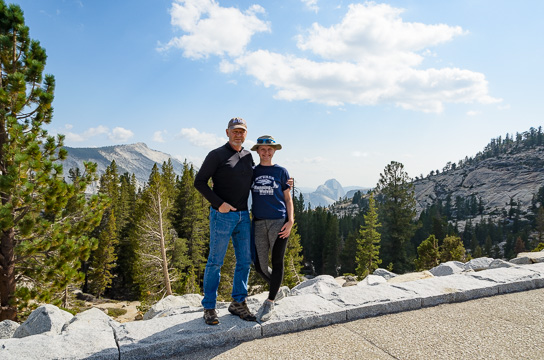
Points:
(231, 169)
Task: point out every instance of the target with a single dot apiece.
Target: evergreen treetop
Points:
(44, 221)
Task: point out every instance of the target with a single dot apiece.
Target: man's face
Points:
(266, 153)
(236, 136)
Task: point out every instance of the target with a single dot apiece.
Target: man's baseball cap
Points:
(237, 123)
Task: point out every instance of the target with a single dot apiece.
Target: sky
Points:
(345, 86)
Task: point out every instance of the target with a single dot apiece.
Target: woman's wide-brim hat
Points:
(266, 140)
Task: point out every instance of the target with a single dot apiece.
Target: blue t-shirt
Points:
(267, 188)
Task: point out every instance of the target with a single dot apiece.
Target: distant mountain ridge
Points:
(328, 193)
(137, 159)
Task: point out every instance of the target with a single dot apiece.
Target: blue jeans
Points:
(235, 224)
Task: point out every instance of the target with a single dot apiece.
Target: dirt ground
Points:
(132, 313)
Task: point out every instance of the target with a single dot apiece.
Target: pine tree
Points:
(331, 245)
(478, 252)
(103, 259)
(292, 262)
(519, 245)
(540, 224)
(190, 283)
(452, 249)
(190, 219)
(488, 245)
(348, 254)
(124, 285)
(227, 274)
(157, 236)
(256, 283)
(397, 209)
(316, 225)
(181, 263)
(368, 243)
(428, 254)
(43, 220)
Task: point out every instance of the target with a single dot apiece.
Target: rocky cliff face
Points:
(495, 180)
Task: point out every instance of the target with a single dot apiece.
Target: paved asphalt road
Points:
(501, 327)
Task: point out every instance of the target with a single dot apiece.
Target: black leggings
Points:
(275, 278)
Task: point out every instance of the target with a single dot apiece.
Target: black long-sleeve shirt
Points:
(231, 172)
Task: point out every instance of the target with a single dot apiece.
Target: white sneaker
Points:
(267, 310)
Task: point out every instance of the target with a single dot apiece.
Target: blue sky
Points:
(346, 87)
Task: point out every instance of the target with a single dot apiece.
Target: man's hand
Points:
(225, 208)
(291, 182)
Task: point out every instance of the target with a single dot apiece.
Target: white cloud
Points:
(311, 4)
(157, 136)
(359, 154)
(201, 139)
(338, 83)
(473, 113)
(371, 57)
(371, 32)
(212, 29)
(72, 137)
(120, 134)
(228, 67)
(99, 130)
(87, 134)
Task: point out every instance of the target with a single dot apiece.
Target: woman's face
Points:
(266, 153)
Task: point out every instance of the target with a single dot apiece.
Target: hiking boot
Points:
(210, 317)
(282, 293)
(267, 310)
(241, 309)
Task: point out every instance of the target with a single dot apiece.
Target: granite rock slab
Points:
(297, 313)
(88, 335)
(162, 337)
(177, 326)
(47, 319)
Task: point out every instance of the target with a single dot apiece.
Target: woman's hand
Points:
(286, 229)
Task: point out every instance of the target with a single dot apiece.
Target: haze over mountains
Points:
(509, 176)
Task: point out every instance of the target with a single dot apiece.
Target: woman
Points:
(273, 218)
